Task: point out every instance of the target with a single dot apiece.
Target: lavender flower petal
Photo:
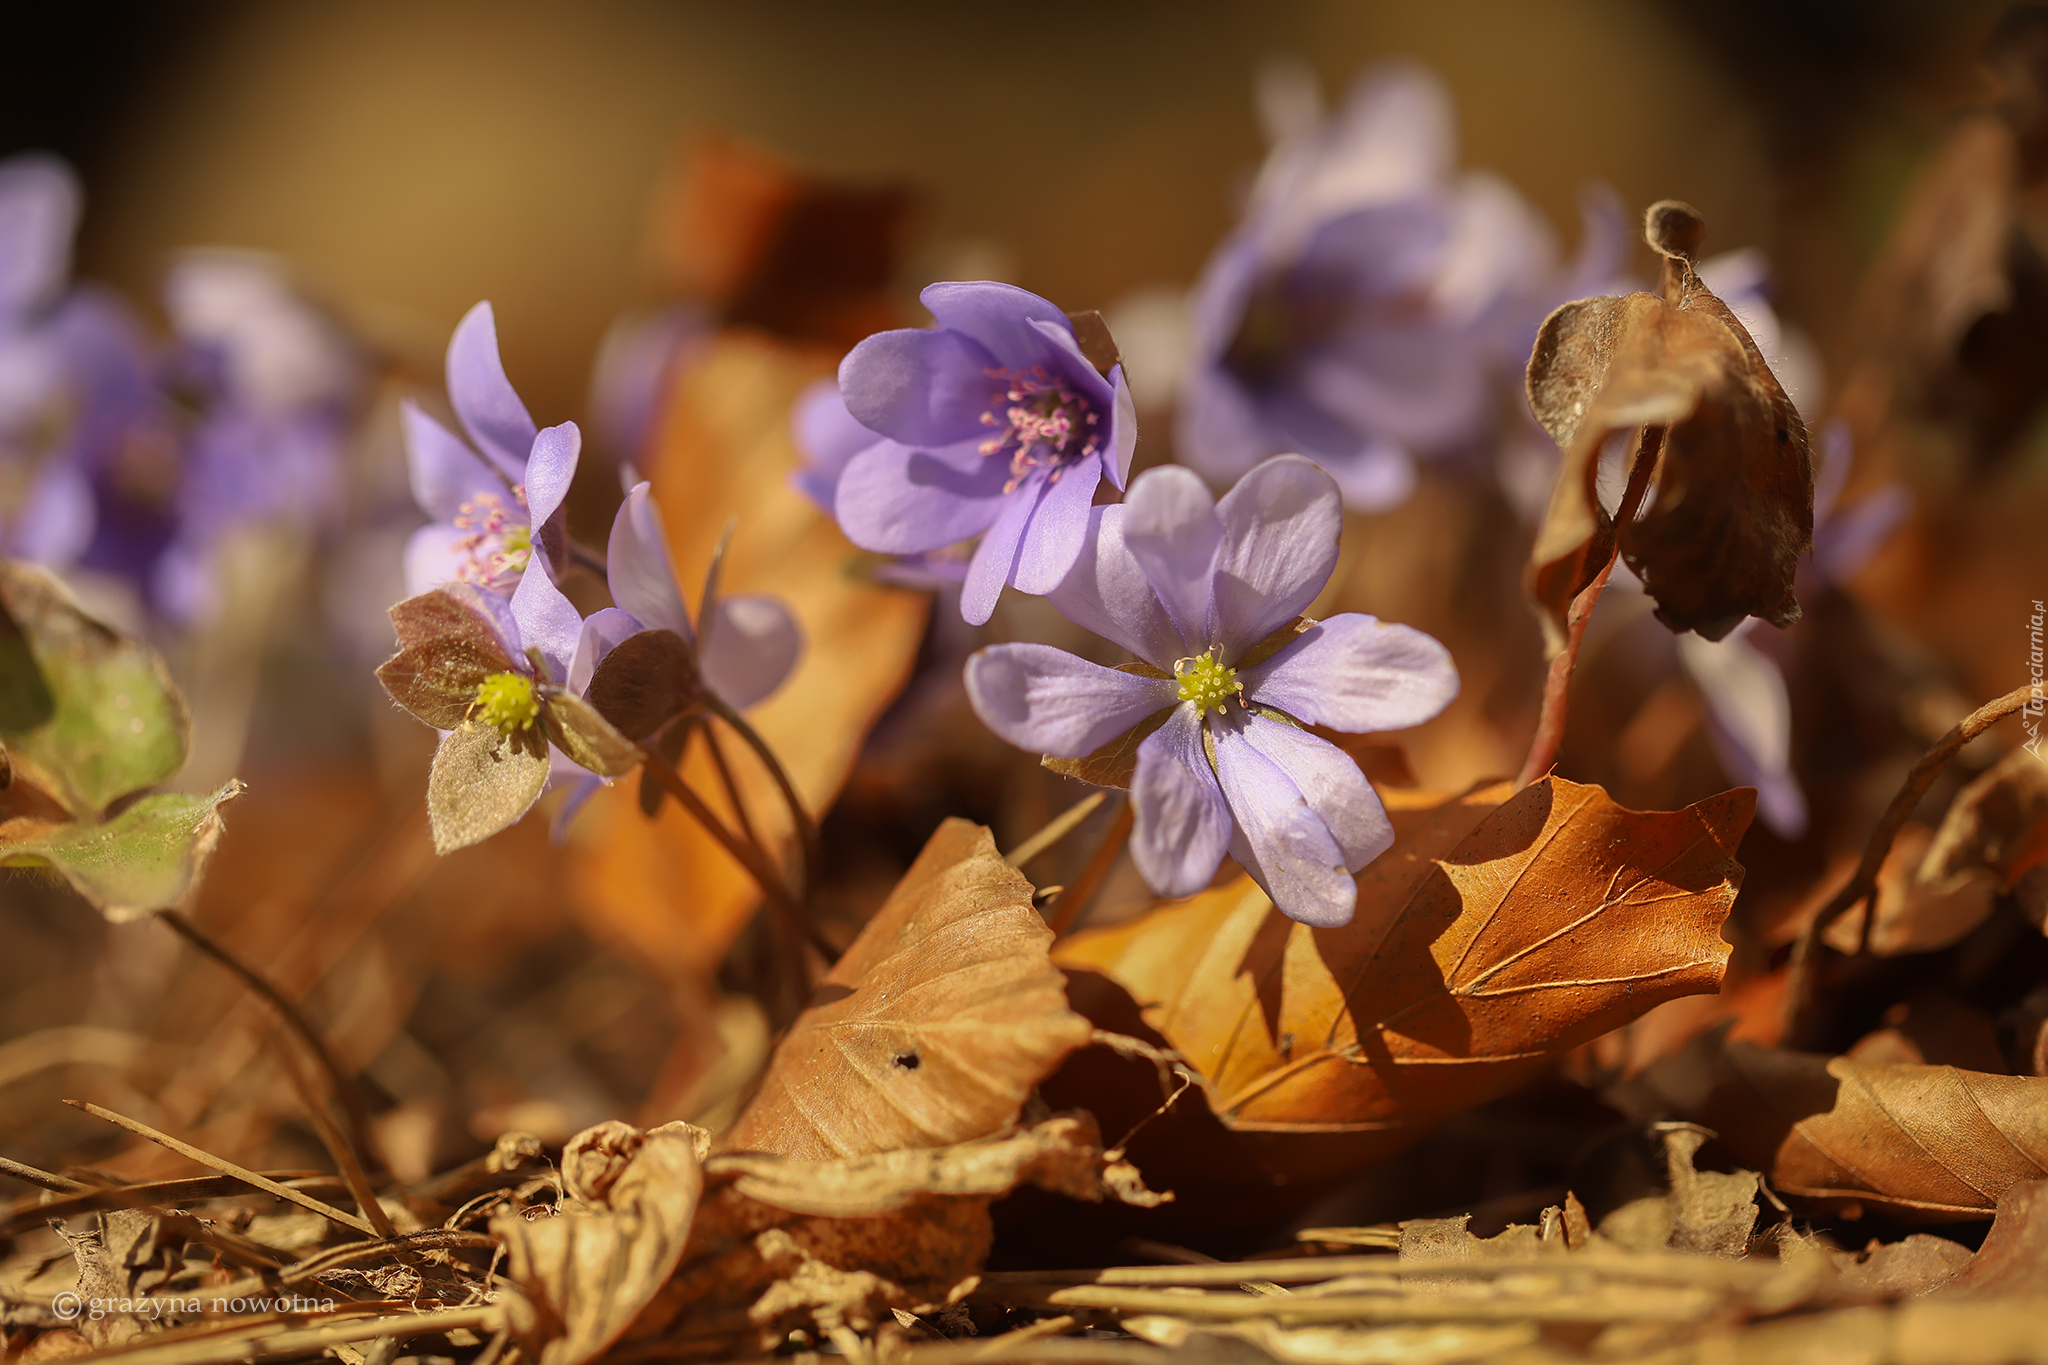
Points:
(1356, 673)
(1332, 785)
(1751, 711)
(483, 397)
(547, 620)
(1280, 528)
(1117, 460)
(896, 499)
(56, 519)
(550, 469)
(999, 317)
(1172, 530)
(445, 472)
(1285, 844)
(995, 559)
(39, 203)
(433, 556)
(1183, 827)
(1108, 593)
(828, 438)
(1059, 524)
(1051, 702)
(638, 568)
(748, 646)
(923, 388)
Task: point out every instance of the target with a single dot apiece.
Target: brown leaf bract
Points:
(935, 1026)
(2013, 1261)
(1492, 936)
(587, 1272)
(481, 782)
(1924, 1142)
(1732, 506)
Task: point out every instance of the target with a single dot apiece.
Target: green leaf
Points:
(88, 714)
(645, 682)
(147, 858)
(576, 728)
(482, 782)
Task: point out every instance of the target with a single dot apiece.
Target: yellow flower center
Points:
(1205, 681)
(506, 702)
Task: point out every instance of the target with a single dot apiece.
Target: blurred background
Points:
(409, 159)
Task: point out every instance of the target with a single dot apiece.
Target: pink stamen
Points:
(489, 557)
(1037, 426)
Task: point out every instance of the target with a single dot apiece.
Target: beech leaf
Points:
(87, 713)
(574, 726)
(146, 858)
(933, 1028)
(1926, 1143)
(1493, 935)
(481, 783)
(1731, 509)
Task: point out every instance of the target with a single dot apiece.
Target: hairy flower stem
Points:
(792, 925)
(806, 828)
(1065, 913)
(1056, 829)
(1862, 886)
(1557, 684)
(351, 1153)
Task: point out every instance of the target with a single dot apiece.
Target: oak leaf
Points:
(1496, 933)
(1926, 1143)
(932, 1029)
(723, 449)
(1731, 508)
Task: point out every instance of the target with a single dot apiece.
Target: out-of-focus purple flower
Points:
(745, 645)
(74, 375)
(639, 361)
(1372, 306)
(276, 380)
(1749, 708)
(992, 424)
(494, 498)
(1208, 594)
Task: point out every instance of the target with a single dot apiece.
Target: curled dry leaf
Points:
(86, 714)
(1731, 510)
(2013, 1261)
(1926, 1143)
(724, 450)
(1495, 934)
(932, 1029)
(587, 1272)
(1936, 886)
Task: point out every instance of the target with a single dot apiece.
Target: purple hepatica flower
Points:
(74, 379)
(828, 438)
(746, 645)
(497, 494)
(1203, 592)
(278, 380)
(1372, 307)
(991, 424)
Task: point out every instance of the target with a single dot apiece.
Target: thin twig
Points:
(1064, 913)
(1056, 829)
(1557, 682)
(56, 1184)
(352, 1175)
(1863, 885)
(362, 1141)
(258, 1338)
(732, 789)
(226, 1167)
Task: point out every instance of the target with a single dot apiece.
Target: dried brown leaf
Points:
(1924, 1142)
(645, 682)
(587, 1272)
(932, 1029)
(1731, 509)
(1494, 935)
(2013, 1261)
